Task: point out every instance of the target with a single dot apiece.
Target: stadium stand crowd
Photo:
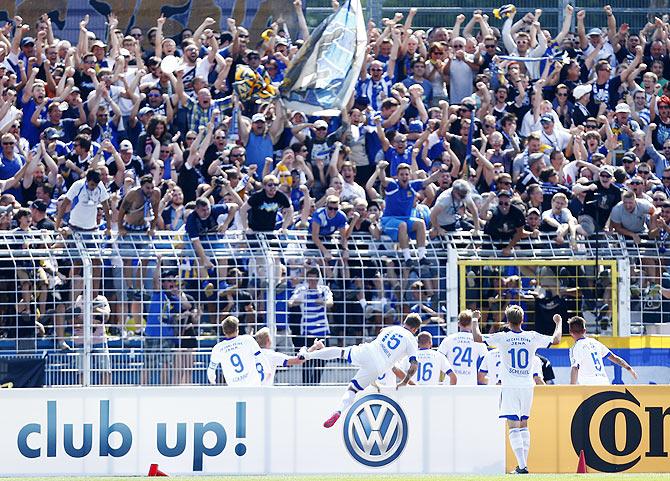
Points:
(504, 130)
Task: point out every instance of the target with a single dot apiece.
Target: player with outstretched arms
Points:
(462, 351)
(517, 348)
(238, 356)
(273, 359)
(374, 359)
(586, 357)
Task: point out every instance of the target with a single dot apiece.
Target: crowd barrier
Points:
(277, 430)
(209, 430)
(50, 288)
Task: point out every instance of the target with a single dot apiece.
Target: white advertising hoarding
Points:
(222, 430)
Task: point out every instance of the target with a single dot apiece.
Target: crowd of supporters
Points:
(492, 126)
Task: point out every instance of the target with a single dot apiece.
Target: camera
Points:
(220, 180)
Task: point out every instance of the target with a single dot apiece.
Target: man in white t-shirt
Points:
(238, 357)
(517, 348)
(374, 359)
(82, 199)
(587, 355)
(489, 370)
(434, 367)
(462, 351)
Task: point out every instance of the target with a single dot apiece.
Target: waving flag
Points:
(325, 70)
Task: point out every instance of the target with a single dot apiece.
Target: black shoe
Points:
(518, 470)
(411, 263)
(425, 262)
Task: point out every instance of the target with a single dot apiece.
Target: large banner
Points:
(22, 372)
(619, 428)
(223, 430)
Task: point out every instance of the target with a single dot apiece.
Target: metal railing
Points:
(54, 292)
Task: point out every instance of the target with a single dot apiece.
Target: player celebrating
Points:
(374, 359)
(238, 356)
(586, 357)
(489, 370)
(434, 367)
(462, 351)
(517, 348)
(273, 359)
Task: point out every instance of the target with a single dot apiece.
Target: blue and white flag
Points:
(325, 70)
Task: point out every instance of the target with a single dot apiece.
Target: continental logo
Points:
(617, 431)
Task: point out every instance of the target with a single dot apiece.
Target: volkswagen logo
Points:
(375, 430)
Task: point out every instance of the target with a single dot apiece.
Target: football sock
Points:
(421, 251)
(516, 442)
(347, 400)
(327, 353)
(405, 254)
(525, 437)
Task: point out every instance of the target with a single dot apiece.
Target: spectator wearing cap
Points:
(139, 124)
(131, 162)
(554, 137)
(319, 145)
(631, 216)
(448, 213)
(38, 210)
(583, 108)
(599, 202)
(630, 162)
(506, 223)
(258, 136)
(623, 126)
(10, 164)
(589, 41)
(536, 164)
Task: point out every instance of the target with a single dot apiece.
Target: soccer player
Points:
(274, 359)
(462, 351)
(434, 367)
(374, 359)
(586, 357)
(517, 348)
(238, 356)
(489, 370)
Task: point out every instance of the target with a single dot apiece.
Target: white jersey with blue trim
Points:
(391, 345)
(464, 354)
(517, 351)
(491, 366)
(432, 364)
(238, 357)
(267, 365)
(587, 354)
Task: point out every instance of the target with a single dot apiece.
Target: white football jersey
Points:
(391, 345)
(491, 366)
(517, 350)
(387, 379)
(464, 354)
(587, 354)
(431, 366)
(267, 366)
(238, 358)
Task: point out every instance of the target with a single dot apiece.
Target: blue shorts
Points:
(390, 226)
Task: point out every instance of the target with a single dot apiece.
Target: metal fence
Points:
(105, 314)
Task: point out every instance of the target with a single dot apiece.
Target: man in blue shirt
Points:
(396, 154)
(206, 219)
(397, 221)
(325, 221)
(10, 164)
